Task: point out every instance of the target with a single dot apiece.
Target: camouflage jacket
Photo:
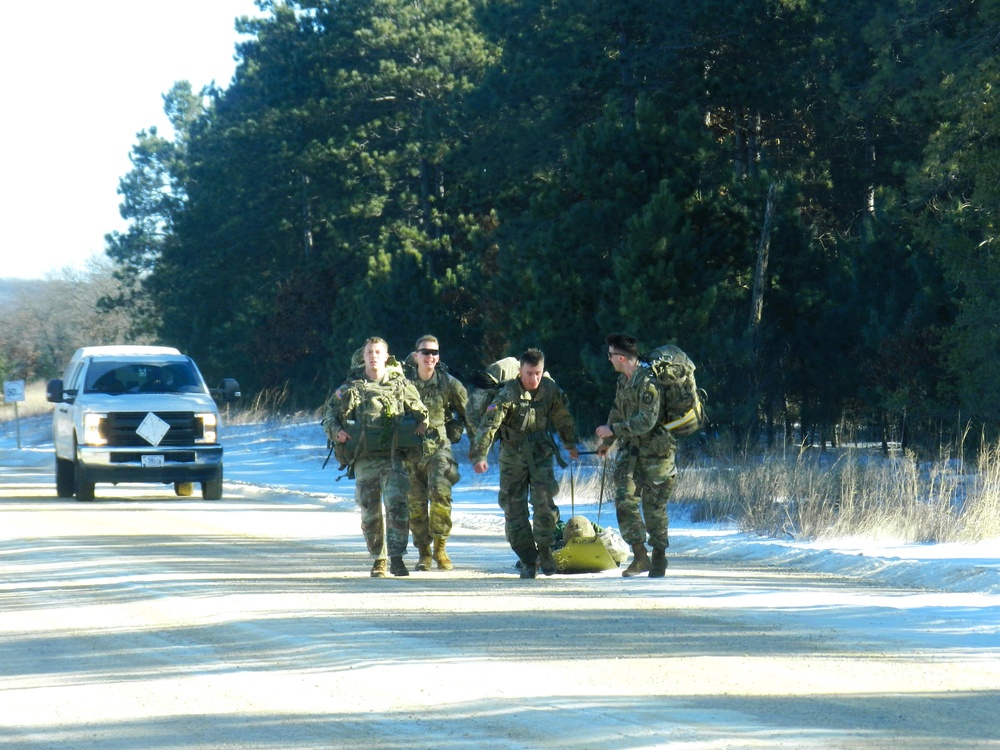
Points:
(373, 404)
(515, 413)
(635, 416)
(443, 396)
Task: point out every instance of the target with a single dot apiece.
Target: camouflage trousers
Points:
(431, 480)
(381, 481)
(526, 472)
(641, 495)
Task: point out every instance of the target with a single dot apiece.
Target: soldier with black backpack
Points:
(645, 473)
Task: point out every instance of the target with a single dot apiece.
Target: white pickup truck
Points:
(136, 414)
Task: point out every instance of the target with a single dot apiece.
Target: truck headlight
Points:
(93, 429)
(209, 427)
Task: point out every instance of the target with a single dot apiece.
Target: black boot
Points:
(658, 565)
(546, 561)
(397, 567)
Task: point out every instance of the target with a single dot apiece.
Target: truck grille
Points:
(120, 427)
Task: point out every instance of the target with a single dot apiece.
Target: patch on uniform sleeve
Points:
(647, 397)
(491, 407)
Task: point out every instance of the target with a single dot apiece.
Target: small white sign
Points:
(152, 429)
(13, 390)
(152, 461)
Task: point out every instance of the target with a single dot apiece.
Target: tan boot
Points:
(379, 568)
(441, 555)
(658, 564)
(640, 561)
(424, 561)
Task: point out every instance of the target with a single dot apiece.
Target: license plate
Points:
(152, 461)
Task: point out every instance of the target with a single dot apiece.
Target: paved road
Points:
(148, 621)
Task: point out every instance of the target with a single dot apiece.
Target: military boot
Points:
(424, 562)
(528, 570)
(546, 561)
(441, 555)
(397, 567)
(378, 569)
(640, 561)
(658, 565)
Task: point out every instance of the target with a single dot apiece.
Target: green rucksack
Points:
(683, 408)
(398, 433)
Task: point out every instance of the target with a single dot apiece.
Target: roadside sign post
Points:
(13, 392)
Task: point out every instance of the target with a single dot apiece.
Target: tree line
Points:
(801, 194)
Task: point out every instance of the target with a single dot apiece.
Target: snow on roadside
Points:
(288, 456)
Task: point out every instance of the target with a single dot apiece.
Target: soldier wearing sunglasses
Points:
(433, 474)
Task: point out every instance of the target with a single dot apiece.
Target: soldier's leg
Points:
(545, 513)
(658, 481)
(657, 487)
(627, 501)
(442, 473)
(513, 499)
(417, 502)
(368, 496)
(627, 509)
(395, 487)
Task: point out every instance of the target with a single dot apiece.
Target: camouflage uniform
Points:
(521, 420)
(379, 470)
(645, 472)
(435, 471)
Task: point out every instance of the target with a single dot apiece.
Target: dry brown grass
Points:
(837, 494)
(33, 405)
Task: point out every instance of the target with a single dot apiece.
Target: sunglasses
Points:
(430, 352)
(612, 355)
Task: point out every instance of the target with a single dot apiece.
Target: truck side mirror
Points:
(228, 391)
(54, 391)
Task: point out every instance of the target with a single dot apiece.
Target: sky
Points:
(80, 80)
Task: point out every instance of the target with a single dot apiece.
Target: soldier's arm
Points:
(562, 419)
(459, 400)
(413, 404)
(338, 407)
(492, 419)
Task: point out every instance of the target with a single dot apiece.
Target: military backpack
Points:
(486, 383)
(683, 409)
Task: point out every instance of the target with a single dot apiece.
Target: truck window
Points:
(143, 377)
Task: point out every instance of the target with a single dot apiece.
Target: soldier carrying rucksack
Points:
(653, 402)
(367, 411)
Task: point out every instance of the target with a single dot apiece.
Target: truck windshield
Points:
(143, 377)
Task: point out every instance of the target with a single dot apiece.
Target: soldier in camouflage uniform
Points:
(521, 415)
(435, 471)
(376, 401)
(645, 472)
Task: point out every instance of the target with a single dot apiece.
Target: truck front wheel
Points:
(84, 487)
(65, 477)
(211, 488)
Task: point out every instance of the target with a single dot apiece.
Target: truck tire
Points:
(84, 487)
(65, 478)
(211, 489)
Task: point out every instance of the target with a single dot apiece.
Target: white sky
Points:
(80, 79)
